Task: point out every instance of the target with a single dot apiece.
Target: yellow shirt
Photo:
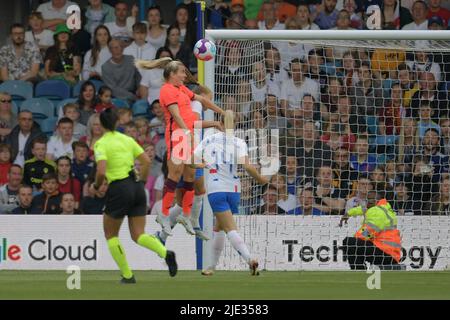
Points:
(387, 60)
(119, 151)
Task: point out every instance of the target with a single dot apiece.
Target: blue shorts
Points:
(225, 201)
(198, 175)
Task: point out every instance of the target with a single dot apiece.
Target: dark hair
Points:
(79, 144)
(63, 158)
(154, 103)
(5, 146)
(25, 186)
(109, 118)
(103, 89)
(65, 120)
(16, 25)
(14, 165)
(161, 50)
(139, 27)
(96, 46)
(49, 176)
(81, 102)
(42, 140)
(169, 29)
(190, 27)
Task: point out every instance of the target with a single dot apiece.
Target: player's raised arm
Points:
(253, 172)
(209, 104)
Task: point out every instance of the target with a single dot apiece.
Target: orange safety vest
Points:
(387, 240)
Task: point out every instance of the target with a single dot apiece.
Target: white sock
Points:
(196, 208)
(239, 245)
(174, 212)
(218, 244)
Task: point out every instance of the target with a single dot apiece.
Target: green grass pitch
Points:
(225, 285)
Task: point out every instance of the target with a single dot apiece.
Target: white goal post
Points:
(400, 39)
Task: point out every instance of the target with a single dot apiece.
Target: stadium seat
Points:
(48, 125)
(18, 89)
(14, 107)
(140, 109)
(54, 90)
(77, 88)
(119, 103)
(61, 104)
(41, 108)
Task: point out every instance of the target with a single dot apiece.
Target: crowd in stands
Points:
(349, 119)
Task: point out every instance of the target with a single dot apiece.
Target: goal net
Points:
(344, 117)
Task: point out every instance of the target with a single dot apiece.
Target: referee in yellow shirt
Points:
(115, 154)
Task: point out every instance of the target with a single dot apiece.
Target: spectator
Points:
(236, 21)
(431, 150)
(402, 203)
(343, 21)
(185, 25)
(287, 202)
(269, 204)
(270, 20)
(8, 192)
(408, 143)
(326, 197)
(292, 179)
(157, 33)
(72, 112)
(394, 15)
(315, 72)
(290, 50)
(444, 123)
(258, 82)
(219, 11)
(98, 55)
(251, 24)
(81, 165)
(36, 167)
(436, 23)
(306, 203)
(118, 28)
(61, 143)
(275, 75)
(87, 101)
(428, 92)
(66, 182)
(98, 13)
(82, 39)
(93, 203)
(336, 136)
(274, 119)
(68, 204)
(409, 86)
(326, 15)
(309, 111)
(423, 61)
(441, 201)
(125, 117)
(143, 131)
(419, 14)
(368, 91)
(157, 124)
(237, 6)
(390, 116)
(63, 60)
(330, 99)
(5, 162)
(178, 49)
(54, 12)
(385, 63)
(104, 96)
(344, 176)
(94, 132)
(391, 173)
(152, 80)
(361, 160)
(364, 185)
(38, 35)
(356, 22)
(8, 120)
(22, 136)
(436, 9)
(303, 18)
(231, 72)
(378, 178)
(20, 59)
(131, 130)
(120, 74)
(48, 202)
(25, 197)
(353, 123)
(139, 49)
(422, 186)
(297, 86)
(425, 122)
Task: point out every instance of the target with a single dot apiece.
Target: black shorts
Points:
(126, 198)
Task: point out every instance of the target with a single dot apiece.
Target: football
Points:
(204, 50)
